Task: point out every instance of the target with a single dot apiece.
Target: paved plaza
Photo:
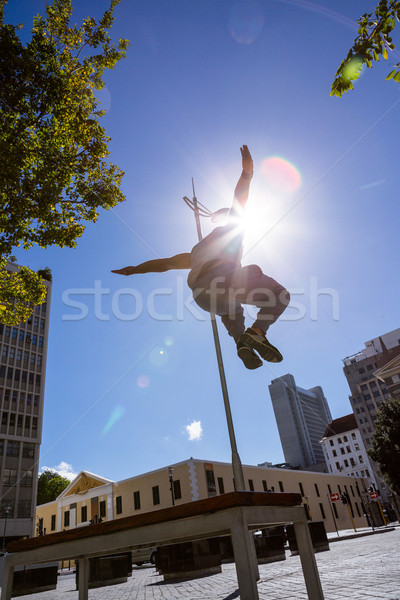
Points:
(364, 568)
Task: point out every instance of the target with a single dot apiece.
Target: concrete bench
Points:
(235, 514)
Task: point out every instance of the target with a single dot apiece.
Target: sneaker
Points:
(259, 342)
(248, 356)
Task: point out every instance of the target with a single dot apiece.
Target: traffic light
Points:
(344, 499)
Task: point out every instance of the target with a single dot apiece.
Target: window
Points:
(221, 487)
(265, 487)
(322, 510)
(156, 494)
(53, 523)
(27, 479)
(177, 489)
(352, 462)
(40, 341)
(331, 442)
(83, 514)
(210, 479)
(334, 453)
(345, 438)
(118, 505)
(339, 440)
(353, 436)
(357, 447)
(348, 449)
(136, 500)
(251, 485)
(12, 447)
(66, 518)
(9, 476)
(281, 486)
(316, 490)
(360, 458)
(346, 462)
(342, 450)
(337, 465)
(102, 508)
(301, 489)
(24, 509)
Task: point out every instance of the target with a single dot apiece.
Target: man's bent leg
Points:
(259, 290)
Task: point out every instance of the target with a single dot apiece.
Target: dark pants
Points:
(224, 289)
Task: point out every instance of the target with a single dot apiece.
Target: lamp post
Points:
(236, 462)
(6, 514)
(171, 484)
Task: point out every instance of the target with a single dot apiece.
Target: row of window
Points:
(14, 396)
(344, 440)
(17, 377)
(9, 353)
(12, 333)
(15, 424)
(176, 486)
(10, 478)
(84, 515)
(13, 448)
(7, 508)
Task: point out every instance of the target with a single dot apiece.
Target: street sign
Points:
(334, 497)
(373, 495)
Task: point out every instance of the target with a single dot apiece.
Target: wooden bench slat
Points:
(182, 511)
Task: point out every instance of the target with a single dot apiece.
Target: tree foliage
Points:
(385, 447)
(373, 40)
(50, 486)
(54, 169)
(20, 291)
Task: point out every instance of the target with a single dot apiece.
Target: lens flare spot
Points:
(169, 341)
(280, 175)
(117, 414)
(143, 381)
(158, 356)
(246, 21)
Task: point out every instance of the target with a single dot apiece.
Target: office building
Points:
(302, 417)
(344, 449)
(369, 391)
(90, 498)
(22, 377)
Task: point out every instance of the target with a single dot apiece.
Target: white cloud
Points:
(64, 469)
(194, 431)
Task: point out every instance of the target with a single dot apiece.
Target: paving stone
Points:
(364, 568)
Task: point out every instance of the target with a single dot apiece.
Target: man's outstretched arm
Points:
(241, 194)
(158, 265)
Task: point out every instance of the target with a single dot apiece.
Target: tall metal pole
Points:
(236, 462)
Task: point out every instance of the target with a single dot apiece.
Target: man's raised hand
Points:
(247, 161)
(125, 271)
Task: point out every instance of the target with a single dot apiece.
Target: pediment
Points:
(83, 483)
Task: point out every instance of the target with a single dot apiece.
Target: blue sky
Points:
(128, 391)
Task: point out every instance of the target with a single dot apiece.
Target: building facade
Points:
(23, 355)
(368, 391)
(90, 497)
(344, 449)
(302, 417)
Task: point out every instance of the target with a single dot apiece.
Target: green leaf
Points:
(397, 77)
(391, 74)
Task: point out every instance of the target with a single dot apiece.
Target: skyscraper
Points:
(302, 417)
(22, 377)
(367, 391)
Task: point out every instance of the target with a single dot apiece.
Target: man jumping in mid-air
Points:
(220, 284)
